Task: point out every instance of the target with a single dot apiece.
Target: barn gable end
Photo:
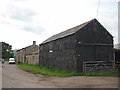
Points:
(94, 32)
(93, 43)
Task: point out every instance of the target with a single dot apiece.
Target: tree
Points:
(6, 51)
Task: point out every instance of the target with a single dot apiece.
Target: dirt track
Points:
(13, 77)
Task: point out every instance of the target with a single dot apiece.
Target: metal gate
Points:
(97, 66)
(117, 66)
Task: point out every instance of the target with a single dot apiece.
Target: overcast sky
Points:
(25, 21)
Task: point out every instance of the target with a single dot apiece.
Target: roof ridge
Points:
(67, 32)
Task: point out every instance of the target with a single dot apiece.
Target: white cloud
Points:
(108, 16)
(18, 38)
(23, 21)
(19, 13)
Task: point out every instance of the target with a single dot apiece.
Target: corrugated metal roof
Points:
(66, 33)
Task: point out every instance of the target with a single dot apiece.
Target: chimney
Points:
(34, 42)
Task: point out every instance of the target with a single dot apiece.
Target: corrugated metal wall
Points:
(59, 53)
(93, 53)
(91, 43)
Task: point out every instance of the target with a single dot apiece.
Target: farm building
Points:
(117, 57)
(28, 54)
(69, 49)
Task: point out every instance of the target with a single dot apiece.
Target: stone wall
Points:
(28, 54)
(17, 56)
(33, 58)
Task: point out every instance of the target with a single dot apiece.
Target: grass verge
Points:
(4, 60)
(57, 72)
(104, 74)
(45, 71)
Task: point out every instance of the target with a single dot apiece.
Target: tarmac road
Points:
(13, 77)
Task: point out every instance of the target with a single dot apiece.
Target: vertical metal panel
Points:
(94, 33)
(59, 53)
(87, 44)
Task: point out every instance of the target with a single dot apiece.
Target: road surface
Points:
(13, 77)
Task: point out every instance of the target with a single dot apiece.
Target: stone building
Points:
(28, 54)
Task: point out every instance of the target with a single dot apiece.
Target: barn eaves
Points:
(68, 32)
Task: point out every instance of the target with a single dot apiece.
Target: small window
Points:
(51, 51)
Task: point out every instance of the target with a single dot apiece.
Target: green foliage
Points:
(4, 60)
(6, 51)
(57, 72)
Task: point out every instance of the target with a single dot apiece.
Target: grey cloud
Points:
(26, 15)
(20, 13)
(33, 29)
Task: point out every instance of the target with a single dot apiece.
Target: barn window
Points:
(50, 47)
(51, 51)
(79, 42)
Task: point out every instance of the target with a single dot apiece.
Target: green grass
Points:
(4, 60)
(57, 72)
(104, 74)
(45, 71)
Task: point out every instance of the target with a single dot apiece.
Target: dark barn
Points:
(117, 59)
(68, 50)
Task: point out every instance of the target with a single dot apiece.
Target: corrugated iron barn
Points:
(117, 57)
(68, 50)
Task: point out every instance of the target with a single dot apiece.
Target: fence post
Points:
(83, 66)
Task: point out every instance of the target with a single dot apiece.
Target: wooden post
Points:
(83, 66)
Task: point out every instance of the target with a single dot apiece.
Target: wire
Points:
(98, 8)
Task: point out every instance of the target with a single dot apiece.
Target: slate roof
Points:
(67, 32)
